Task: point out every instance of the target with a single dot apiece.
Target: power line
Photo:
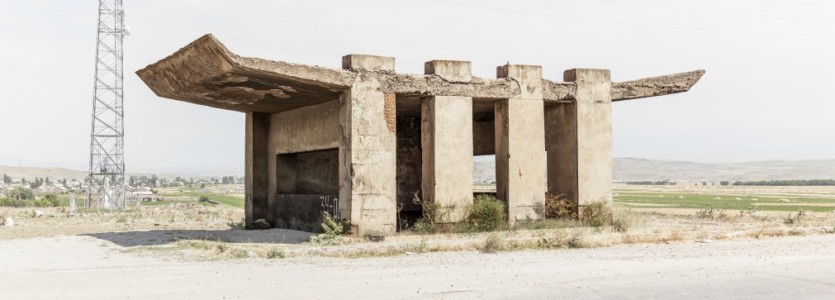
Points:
(792, 2)
(716, 11)
(632, 24)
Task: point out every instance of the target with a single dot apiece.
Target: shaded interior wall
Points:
(484, 134)
(314, 173)
(297, 212)
(409, 162)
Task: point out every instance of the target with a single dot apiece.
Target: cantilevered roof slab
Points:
(205, 72)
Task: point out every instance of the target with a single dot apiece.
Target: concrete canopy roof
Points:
(205, 72)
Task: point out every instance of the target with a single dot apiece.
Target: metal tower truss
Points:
(107, 160)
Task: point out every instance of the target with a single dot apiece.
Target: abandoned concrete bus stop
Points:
(362, 140)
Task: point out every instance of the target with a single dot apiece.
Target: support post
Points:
(579, 140)
(520, 144)
(367, 150)
(257, 130)
(447, 145)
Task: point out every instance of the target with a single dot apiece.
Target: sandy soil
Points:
(84, 267)
(188, 251)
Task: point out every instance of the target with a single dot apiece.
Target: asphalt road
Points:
(83, 267)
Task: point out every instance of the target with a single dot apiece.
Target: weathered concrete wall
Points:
(305, 129)
(447, 142)
(580, 140)
(409, 165)
(484, 134)
(367, 156)
(520, 145)
(256, 183)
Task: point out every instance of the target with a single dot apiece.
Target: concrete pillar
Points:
(579, 140)
(447, 144)
(520, 144)
(257, 193)
(367, 156)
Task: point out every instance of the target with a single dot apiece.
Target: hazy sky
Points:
(767, 94)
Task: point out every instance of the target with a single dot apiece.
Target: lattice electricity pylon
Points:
(107, 161)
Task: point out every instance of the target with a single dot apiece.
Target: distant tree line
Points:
(662, 182)
(154, 181)
(811, 182)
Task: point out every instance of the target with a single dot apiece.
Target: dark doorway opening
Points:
(307, 184)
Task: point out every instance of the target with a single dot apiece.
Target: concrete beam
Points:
(367, 157)
(371, 63)
(520, 144)
(256, 183)
(447, 143)
(579, 140)
(655, 86)
(450, 70)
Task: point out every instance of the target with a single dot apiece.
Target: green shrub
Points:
(48, 200)
(7, 202)
(597, 214)
(203, 199)
(487, 214)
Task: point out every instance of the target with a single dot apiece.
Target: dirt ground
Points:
(185, 251)
(86, 267)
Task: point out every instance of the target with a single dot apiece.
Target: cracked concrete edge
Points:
(656, 86)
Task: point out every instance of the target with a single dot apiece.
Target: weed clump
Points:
(428, 222)
(623, 220)
(559, 207)
(276, 253)
(597, 214)
(331, 231)
(494, 243)
(711, 213)
(796, 219)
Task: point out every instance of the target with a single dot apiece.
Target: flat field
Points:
(685, 199)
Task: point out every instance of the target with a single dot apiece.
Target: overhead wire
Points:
(715, 11)
(565, 17)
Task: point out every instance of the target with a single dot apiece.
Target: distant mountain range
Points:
(636, 169)
(31, 172)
